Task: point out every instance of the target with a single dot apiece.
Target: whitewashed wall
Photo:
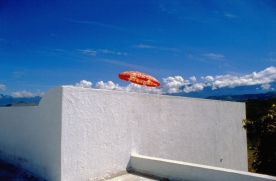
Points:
(79, 134)
(30, 137)
(100, 130)
(176, 170)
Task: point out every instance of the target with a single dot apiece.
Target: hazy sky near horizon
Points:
(187, 45)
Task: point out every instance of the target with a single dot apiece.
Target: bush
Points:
(264, 132)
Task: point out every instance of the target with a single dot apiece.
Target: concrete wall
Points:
(79, 134)
(100, 130)
(30, 137)
(189, 171)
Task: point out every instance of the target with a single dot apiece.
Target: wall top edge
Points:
(68, 88)
(207, 167)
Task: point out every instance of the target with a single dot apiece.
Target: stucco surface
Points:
(177, 170)
(100, 130)
(80, 134)
(30, 137)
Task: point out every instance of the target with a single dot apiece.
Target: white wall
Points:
(188, 171)
(100, 130)
(30, 137)
(78, 134)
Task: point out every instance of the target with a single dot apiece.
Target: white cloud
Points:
(193, 78)
(142, 46)
(265, 86)
(173, 84)
(130, 88)
(178, 84)
(88, 51)
(105, 51)
(2, 87)
(109, 86)
(209, 78)
(256, 78)
(110, 52)
(24, 93)
(84, 84)
(142, 89)
(263, 77)
(95, 52)
(213, 56)
(194, 87)
(120, 53)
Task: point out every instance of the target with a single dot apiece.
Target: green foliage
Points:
(256, 108)
(263, 130)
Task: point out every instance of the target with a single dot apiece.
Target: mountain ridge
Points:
(6, 100)
(244, 97)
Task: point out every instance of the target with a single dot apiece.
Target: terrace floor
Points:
(131, 177)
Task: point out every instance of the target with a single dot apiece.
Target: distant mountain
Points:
(208, 91)
(244, 97)
(6, 100)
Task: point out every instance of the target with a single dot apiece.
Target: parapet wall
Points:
(30, 136)
(78, 134)
(177, 170)
(100, 130)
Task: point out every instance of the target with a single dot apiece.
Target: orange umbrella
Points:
(139, 78)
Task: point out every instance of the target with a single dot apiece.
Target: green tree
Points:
(264, 132)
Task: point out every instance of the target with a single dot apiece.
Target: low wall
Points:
(78, 134)
(101, 128)
(189, 171)
(30, 137)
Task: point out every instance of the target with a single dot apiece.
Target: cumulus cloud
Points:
(263, 77)
(194, 87)
(173, 84)
(209, 78)
(178, 84)
(193, 78)
(109, 86)
(130, 88)
(84, 84)
(2, 87)
(170, 85)
(24, 93)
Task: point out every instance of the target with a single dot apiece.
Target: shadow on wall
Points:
(9, 172)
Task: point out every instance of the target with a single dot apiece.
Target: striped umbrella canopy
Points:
(139, 78)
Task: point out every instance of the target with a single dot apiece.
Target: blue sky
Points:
(189, 46)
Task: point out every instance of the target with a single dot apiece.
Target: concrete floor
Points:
(9, 172)
(131, 177)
